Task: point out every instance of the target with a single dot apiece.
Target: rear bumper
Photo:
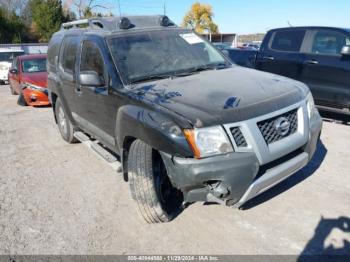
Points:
(235, 178)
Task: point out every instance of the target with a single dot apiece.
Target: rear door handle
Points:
(270, 58)
(311, 62)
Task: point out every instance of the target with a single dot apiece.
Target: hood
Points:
(38, 79)
(222, 96)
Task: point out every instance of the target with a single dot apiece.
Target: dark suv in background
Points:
(188, 125)
(317, 56)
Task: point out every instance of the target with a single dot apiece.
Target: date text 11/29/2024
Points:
(173, 258)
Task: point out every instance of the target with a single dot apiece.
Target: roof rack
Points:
(120, 23)
(92, 23)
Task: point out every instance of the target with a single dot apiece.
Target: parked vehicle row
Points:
(28, 79)
(187, 123)
(316, 56)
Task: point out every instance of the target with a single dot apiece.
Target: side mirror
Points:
(13, 71)
(345, 50)
(90, 78)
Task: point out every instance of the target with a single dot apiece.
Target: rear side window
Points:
(91, 59)
(68, 55)
(329, 43)
(288, 40)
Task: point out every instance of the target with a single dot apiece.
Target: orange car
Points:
(28, 79)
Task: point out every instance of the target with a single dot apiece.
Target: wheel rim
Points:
(169, 196)
(62, 122)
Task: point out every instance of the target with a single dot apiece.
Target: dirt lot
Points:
(57, 198)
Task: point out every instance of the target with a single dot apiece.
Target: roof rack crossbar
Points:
(89, 22)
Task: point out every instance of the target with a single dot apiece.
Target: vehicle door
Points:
(67, 63)
(97, 105)
(15, 79)
(326, 71)
(281, 54)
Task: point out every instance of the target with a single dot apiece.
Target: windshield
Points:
(9, 56)
(149, 55)
(34, 65)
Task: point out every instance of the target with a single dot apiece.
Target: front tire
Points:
(64, 125)
(158, 201)
(21, 101)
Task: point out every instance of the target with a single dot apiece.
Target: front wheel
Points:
(64, 125)
(157, 199)
(21, 101)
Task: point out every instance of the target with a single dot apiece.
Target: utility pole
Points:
(164, 7)
(120, 10)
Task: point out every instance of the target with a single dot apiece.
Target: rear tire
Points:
(158, 201)
(64, 125)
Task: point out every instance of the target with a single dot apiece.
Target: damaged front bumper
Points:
(235, 178)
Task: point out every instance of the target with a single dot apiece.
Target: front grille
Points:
(238, 137)
(268, 127)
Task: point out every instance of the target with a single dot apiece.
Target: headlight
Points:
(33, 87)
(208, 141)
(310, 104)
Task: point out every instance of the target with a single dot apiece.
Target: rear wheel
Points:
(157, 199)
(64, 125)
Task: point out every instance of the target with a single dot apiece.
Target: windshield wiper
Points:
(150, 77)
(215, 66)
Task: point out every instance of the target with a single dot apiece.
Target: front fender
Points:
(152, 127)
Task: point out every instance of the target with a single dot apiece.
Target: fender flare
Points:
(152, 127)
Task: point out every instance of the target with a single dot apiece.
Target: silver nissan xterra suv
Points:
(187, 124)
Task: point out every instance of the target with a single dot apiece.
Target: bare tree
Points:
(81, 6)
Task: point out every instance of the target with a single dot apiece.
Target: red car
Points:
(28, 79)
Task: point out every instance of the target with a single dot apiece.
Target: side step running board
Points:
(99, 150)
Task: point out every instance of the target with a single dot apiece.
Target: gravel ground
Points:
(57, 198)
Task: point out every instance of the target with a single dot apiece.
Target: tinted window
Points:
(288, 40)
(328, 42)
(91, 59)
(53, 49)
(68, 58)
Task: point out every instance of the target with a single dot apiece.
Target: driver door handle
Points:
(270, 58)
(311, 62)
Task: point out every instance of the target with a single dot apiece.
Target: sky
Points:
(246, 16)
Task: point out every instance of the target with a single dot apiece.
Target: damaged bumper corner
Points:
(235, 178)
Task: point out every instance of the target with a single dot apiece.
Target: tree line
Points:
(23, 21)
(34, 21)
